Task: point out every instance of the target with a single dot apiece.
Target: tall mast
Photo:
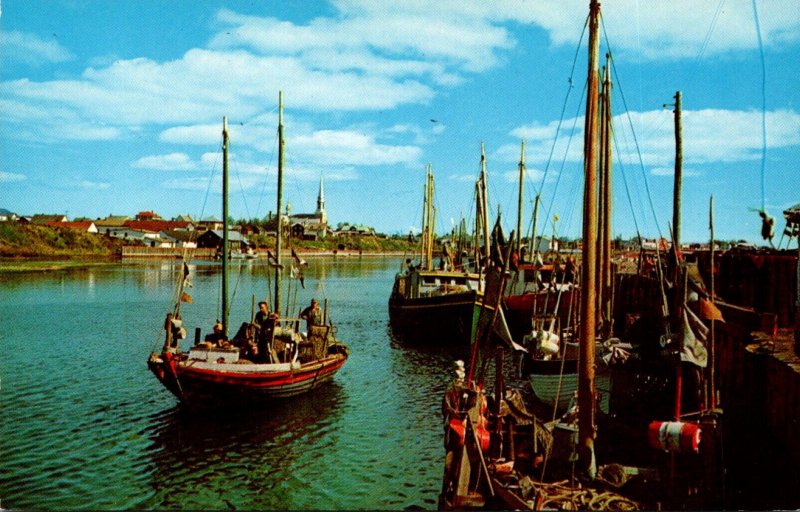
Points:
(607, 138)
(485, 203)
(425, 220)
(586, 384)
(534, 248)
(676, 191)
(521, 186)
(280, 192)
(225, 226)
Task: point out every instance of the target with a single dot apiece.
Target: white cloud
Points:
(664, 30)
(93, 185)
(11, 177)
(352, 148)
(170, 162)
(709, 135)
(465, 178)
(30, 49)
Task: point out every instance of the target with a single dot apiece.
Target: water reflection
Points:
(238, 458)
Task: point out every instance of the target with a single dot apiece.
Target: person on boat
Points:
(217, 336)
(312, 315)
(569, 270)
(266, 328)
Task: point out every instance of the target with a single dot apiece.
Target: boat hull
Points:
(442, 319)
(550, 386)
(201, 384)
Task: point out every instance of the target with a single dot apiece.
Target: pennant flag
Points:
(186, 275)
(297, 274)
(710, 311)
(273, 260)
(185, 297)
(300, 262)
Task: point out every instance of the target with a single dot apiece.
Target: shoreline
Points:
(19, 264)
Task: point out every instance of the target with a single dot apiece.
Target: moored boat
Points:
(434, 305)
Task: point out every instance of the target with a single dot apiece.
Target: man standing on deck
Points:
(266, 326)
(312, 315)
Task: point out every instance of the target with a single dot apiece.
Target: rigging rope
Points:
(570, 86)
(633, 132)
(763, 108)
(707, 39)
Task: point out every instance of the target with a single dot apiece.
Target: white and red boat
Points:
(268, 358)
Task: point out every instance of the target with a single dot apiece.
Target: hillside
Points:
(29, 240)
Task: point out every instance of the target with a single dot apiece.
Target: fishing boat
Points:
(268, 358)
(499, 455)
(441, 304)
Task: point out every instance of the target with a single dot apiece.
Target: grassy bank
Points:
(34, 241)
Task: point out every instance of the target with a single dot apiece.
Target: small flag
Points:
(300, 262)
(185, 297)
(186, 275)
(297, 274)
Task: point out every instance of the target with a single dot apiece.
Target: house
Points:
(184, 217)
(213, 238)
(355, 230)
(249, 229)
(210, 223)
(148, 215)
(180, 238)
(158, 225)
(41, 218)
(311, 226)
(86, 226)
(112, 221)
(129, 234)
(6, 216)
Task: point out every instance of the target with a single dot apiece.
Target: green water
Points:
(84, 425)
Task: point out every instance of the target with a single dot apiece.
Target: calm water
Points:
(85, 425)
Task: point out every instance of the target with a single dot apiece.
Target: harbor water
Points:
(85, 425)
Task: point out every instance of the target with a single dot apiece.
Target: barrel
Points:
(674, 436)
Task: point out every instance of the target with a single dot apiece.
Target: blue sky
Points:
(116, 107)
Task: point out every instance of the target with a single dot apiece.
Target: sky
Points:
(117, 107)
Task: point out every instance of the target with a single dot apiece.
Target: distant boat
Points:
(434, 305)
(267, 361)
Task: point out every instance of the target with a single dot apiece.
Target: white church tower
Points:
(323, 217)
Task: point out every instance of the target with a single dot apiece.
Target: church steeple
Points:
(321, 202)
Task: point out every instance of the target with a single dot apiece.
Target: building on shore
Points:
(311, 226)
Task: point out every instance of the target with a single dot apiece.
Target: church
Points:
(311, 226)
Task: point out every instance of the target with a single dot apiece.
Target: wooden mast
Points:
(423, 250)
(225, 248)
(279, 231)
(521, 187)
(484, 204)
(606, 140)
(676, 191)
(586, 384)
(431, 218)
(534, 247)
(712, 390)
